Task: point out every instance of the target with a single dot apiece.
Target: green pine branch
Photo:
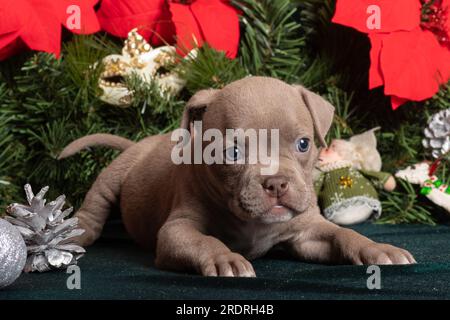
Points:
(50, 102)
(271, 43)
(210, 69)
(405, 206)
(45, 102)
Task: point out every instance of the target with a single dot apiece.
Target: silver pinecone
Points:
(437, 134)
(47, 234)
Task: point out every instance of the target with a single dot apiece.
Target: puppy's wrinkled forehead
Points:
(259, 103)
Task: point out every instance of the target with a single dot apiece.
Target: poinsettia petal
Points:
(36, 27)
(396, 102)
(219, 24)
(163, 28)
(395, 15)
(414, 64)
(118, 17)
(443, 56)
(37, 24)
(13, 16)
(189, 34)
(43, 32)
(88, 18)
(375, 73)
(7, 38)
(10, 44)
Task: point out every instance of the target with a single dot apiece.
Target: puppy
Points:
(213, 219)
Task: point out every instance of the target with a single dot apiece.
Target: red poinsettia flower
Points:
(153, 19)
(36, 24)
(211, 21)
(410, 39)
(188, 23)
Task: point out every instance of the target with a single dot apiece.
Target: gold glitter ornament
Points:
(346, 181)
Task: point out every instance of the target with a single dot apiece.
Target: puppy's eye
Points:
(302, 145)
(233, 153)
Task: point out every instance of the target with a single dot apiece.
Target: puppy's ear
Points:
(196, 106)
(321, 111)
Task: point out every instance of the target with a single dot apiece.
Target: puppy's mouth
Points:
(276, 212)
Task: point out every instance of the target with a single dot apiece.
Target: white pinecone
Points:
(437, 134)
(47, 234)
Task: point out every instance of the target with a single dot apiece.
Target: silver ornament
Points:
(48, 235)
(437, 134)
(13, 253)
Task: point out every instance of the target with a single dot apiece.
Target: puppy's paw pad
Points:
(228, 265)
(384, 254)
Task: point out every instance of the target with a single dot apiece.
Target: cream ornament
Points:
(149, 64)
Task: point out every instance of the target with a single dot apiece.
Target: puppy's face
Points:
(250, 190)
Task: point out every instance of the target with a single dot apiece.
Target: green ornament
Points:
(437, 183)
(425, 191)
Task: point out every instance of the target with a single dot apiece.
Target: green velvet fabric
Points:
(114, 268)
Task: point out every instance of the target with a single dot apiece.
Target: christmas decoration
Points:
(140, 59)
(56, 100)
(46, 231)
(37, 24)
(410, 52)
(437, 134)
(13, 253)
(346, 181)
(431, 186)
(211, 21)
(190, 23)
(152, 18)
(345, 191)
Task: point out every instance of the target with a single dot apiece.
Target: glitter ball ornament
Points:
(437, 134)
(48, 235)
(13, 253)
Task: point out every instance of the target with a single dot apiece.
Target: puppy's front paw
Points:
(380, 253)
(227, 265)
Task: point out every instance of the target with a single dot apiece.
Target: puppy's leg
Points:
(321, 241)
(102, 196)
(182, 246)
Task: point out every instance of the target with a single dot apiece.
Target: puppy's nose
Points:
(276, 186)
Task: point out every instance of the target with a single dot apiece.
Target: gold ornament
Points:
(346, 181)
